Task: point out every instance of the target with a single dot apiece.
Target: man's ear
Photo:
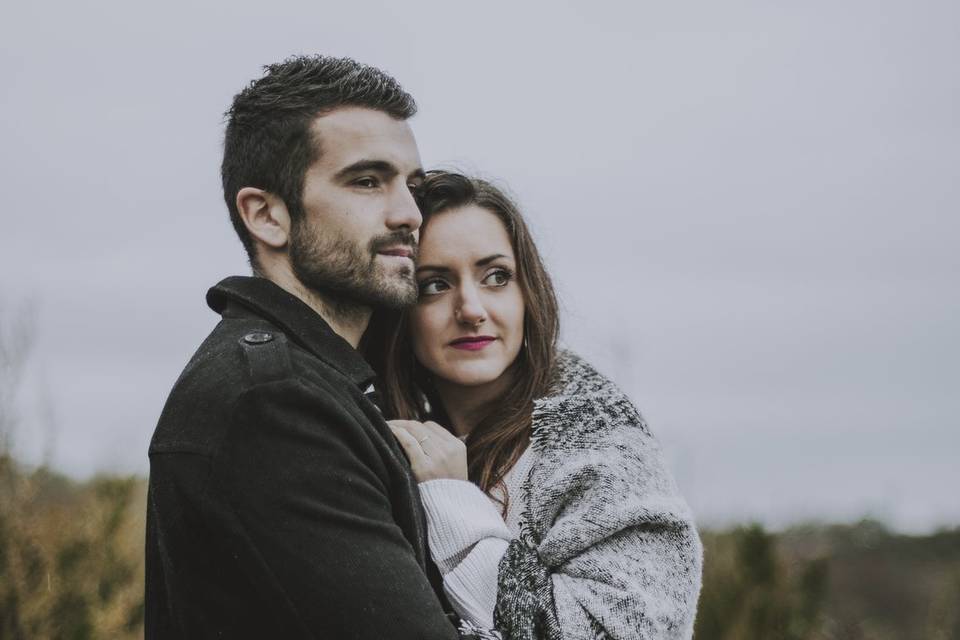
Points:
(265, 216)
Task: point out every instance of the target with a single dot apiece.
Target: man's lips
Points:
(472, 343)
(403, 252)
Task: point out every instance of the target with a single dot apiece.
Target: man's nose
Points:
(402, 210)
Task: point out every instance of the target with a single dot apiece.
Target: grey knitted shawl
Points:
(608, 548)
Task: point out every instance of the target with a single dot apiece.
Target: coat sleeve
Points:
(610, 550)
(306, 491)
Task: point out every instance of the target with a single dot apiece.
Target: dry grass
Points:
(71, 556)
(71, 566)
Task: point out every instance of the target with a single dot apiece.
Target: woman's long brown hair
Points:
(498, 440)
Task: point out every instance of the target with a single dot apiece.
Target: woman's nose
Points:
(471, 310)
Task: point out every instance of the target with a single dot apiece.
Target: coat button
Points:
(258, 337)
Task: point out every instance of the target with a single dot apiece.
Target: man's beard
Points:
(349, 273)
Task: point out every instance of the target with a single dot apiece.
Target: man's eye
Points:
(432, 287)
(366, 183)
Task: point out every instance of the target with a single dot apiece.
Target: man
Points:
(280, 505)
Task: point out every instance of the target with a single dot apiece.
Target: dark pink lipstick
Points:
(472, 343)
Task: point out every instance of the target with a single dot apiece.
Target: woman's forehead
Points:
(465, 233)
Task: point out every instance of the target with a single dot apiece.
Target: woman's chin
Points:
(471, 374)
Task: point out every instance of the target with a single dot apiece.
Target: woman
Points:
(571, 526)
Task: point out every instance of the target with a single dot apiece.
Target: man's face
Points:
(356, 240)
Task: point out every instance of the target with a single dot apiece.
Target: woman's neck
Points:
(466, 406)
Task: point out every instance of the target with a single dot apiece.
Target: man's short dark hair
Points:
(268, 143)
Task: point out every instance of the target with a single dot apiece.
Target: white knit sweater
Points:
(597, 542)
(468, 537)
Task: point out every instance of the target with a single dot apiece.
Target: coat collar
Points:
(299, 322)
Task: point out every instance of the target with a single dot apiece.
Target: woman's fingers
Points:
(436, 429)
(432, 450)
(408, 442)
(423, 430)
(416, 431)
(431, 437)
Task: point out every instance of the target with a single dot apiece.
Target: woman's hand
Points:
(433, 451)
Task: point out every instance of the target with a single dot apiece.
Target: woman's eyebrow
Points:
(430, 267)
(482, 262)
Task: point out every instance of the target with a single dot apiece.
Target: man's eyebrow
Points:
(377, 166)
(482, 262)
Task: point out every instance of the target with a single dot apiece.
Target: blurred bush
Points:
(749, 591)
(71, 567)
(830, 582)
(71, 556)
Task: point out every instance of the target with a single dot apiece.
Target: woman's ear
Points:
(265, 216)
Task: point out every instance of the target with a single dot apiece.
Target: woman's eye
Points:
(432, 287)
(498, 278)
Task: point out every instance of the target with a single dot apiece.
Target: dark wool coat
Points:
(280, 505)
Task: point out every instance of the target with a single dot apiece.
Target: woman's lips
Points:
(472, 343)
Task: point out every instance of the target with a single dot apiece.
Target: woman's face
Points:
(467, 326)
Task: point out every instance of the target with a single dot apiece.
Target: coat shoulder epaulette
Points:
(267, 354)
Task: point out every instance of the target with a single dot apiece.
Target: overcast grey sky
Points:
(750, 209)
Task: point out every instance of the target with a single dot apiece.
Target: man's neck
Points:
(347, 320)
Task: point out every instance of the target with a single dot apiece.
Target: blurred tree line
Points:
(830, 582)
(71, 554)
(71, 567)
(71, 560)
